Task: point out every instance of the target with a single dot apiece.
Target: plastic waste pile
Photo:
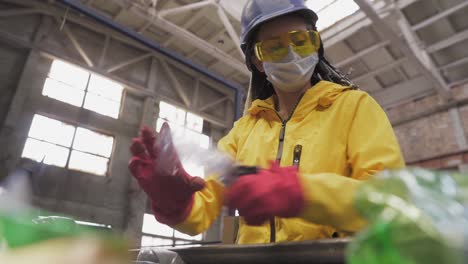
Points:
(415, 216)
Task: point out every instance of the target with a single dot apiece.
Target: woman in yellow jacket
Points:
(310, 133)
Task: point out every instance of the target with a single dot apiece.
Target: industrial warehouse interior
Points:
(81, 79)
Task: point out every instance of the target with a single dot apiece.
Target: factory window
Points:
(187, 128)
(67, 146)
(78, 87)
(160, 235)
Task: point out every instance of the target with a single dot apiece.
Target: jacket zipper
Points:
(279, 156)
(297, 155)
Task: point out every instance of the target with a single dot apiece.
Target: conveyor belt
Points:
(310, 252)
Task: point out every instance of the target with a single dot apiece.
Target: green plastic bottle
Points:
(415, 216)
(29, 228)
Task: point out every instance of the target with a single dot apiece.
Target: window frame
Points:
(75, 125)
(173, 237)
(186, 130)
(85, 90)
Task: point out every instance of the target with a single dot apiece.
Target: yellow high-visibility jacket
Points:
(345, 137)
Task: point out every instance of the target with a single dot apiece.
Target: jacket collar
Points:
(320, 96)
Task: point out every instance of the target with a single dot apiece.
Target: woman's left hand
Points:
(270, 192)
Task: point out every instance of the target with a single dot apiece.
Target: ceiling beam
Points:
(384, 68)
(186, 25)
(362, 53)
(457, 38)
(209, 82)
(145, 26)
(14, 40)
(18, 12)
(52, 10)
(454, 64)
(140, 90)
(155, 4)
(230, 29)
(129, 62)
(105, 47)
(196, 93)
(415, 54)
(439, 16)
(152, 83)
(403, 73)
(192, 54)
(232, 62)
(212, 104)
(214, 62)
(208, 39)
(45, 51)
(405, 3)
(459, 82)
(76, 44)
(176, 84)
(191, 38)
(349, 26)
(185, 8)
(119, 15)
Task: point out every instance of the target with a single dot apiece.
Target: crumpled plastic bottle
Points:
(415, 216)
(23, 225)
(27, 229)
(31, 235)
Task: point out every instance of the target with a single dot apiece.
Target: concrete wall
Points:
(12, 60)
(28, 45)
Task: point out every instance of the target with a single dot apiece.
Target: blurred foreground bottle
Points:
(29, 235)
(415, 216)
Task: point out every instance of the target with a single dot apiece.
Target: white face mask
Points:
(293, 73)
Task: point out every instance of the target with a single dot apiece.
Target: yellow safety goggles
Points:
(304, 43)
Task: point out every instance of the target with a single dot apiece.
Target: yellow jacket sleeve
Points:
(207, 205)
(371, 147)
(209, 201)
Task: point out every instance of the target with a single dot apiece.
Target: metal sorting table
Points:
(316, 252)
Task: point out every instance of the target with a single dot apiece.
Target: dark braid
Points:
(328, 72)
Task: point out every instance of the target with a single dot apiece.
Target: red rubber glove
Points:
(158, 170)
(272, 192)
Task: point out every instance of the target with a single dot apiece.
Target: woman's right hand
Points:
(157, 167)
